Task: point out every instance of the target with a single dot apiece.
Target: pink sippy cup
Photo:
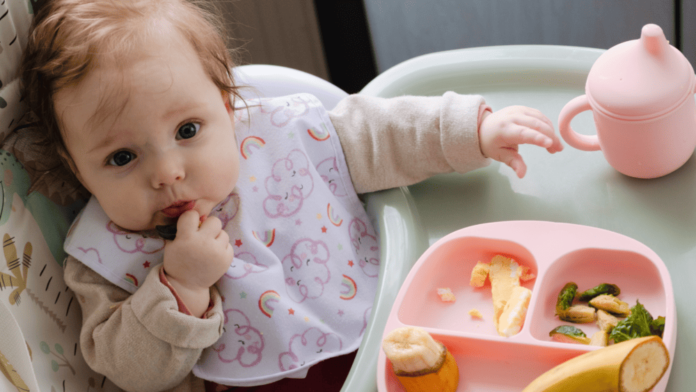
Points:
(641, 96)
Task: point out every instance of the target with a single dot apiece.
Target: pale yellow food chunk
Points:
(475, 314)
(526, 274)
(446, 294)
(600, 338)
(512, 318)
(479, 274)
(605, 321)
(504, 274)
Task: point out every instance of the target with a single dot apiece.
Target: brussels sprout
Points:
(565, 298)
(611, 304)
(569, 334)
(604, 288)
(578, 314)
(657, 327)
(605, 321)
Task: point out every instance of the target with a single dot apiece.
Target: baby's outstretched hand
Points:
(501, 133)
(198, 257)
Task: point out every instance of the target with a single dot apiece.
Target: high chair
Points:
(40, 317)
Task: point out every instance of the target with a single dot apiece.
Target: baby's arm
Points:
(400, 141)
(141, 341)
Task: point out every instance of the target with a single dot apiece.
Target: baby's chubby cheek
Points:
(223, 175)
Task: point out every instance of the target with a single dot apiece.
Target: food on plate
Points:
(526, 274)
(633, 366)
(639, 324)
(479, 274)
(605, 321)
(569, 334)
(515, 311)
(446, 294)
(419, 362)
(611, 304)
(504, 274)
(565, 298)
(657, 327)
(604, 288)
(600, 338)
(579, 314)
(510, 300)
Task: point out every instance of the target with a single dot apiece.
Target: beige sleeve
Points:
(401, 141)
(141, 342)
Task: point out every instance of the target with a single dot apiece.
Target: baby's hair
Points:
(69, 37)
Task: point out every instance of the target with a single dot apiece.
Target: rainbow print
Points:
(131, 279)
(248, 143)
(264, 302)
(319, 135)
(351, 287)
(330, 213)
(269, 237)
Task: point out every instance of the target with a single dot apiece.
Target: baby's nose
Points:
(167, 172)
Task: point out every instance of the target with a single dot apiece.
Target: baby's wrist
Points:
(196, 300)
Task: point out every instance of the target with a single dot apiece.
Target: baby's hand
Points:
(199, 256)
(501, 132)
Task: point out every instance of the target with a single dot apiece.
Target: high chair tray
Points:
(557, 253)
(571, 186)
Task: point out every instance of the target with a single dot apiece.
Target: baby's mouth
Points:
(175, 210)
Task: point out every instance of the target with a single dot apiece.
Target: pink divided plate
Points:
(557, 253)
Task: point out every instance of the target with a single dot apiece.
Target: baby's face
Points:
(167, 142)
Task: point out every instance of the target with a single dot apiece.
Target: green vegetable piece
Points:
(579, 314)
(604, 288)
(565, 298)
(569, 334)
(657, 327)
(634, 326)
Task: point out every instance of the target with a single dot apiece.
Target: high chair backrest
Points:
(40, 317)
(277, 81)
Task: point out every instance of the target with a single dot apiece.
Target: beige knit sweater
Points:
(143, 343)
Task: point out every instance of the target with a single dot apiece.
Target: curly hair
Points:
(68, 38)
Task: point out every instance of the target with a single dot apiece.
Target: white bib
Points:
(303, 280)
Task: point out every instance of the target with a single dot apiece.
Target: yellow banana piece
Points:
(420, 363)
(635, 365)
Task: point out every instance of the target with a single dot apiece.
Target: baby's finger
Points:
(524, 135)
(211, 227)
(187, 222)
(538, 114)
(223, 237)
(513, 159)
(544, 126)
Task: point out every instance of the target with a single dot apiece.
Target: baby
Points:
(274, 266)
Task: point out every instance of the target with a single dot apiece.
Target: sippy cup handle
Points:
(570, 110)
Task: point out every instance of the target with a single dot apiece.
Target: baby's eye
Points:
(188, 130)
(121, 158)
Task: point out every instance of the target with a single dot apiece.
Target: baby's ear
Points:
(228, 100)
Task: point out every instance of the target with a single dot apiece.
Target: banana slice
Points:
(420, 362)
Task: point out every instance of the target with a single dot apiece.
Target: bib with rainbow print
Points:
(301, 287)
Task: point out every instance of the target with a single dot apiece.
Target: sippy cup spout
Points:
(653, 39)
